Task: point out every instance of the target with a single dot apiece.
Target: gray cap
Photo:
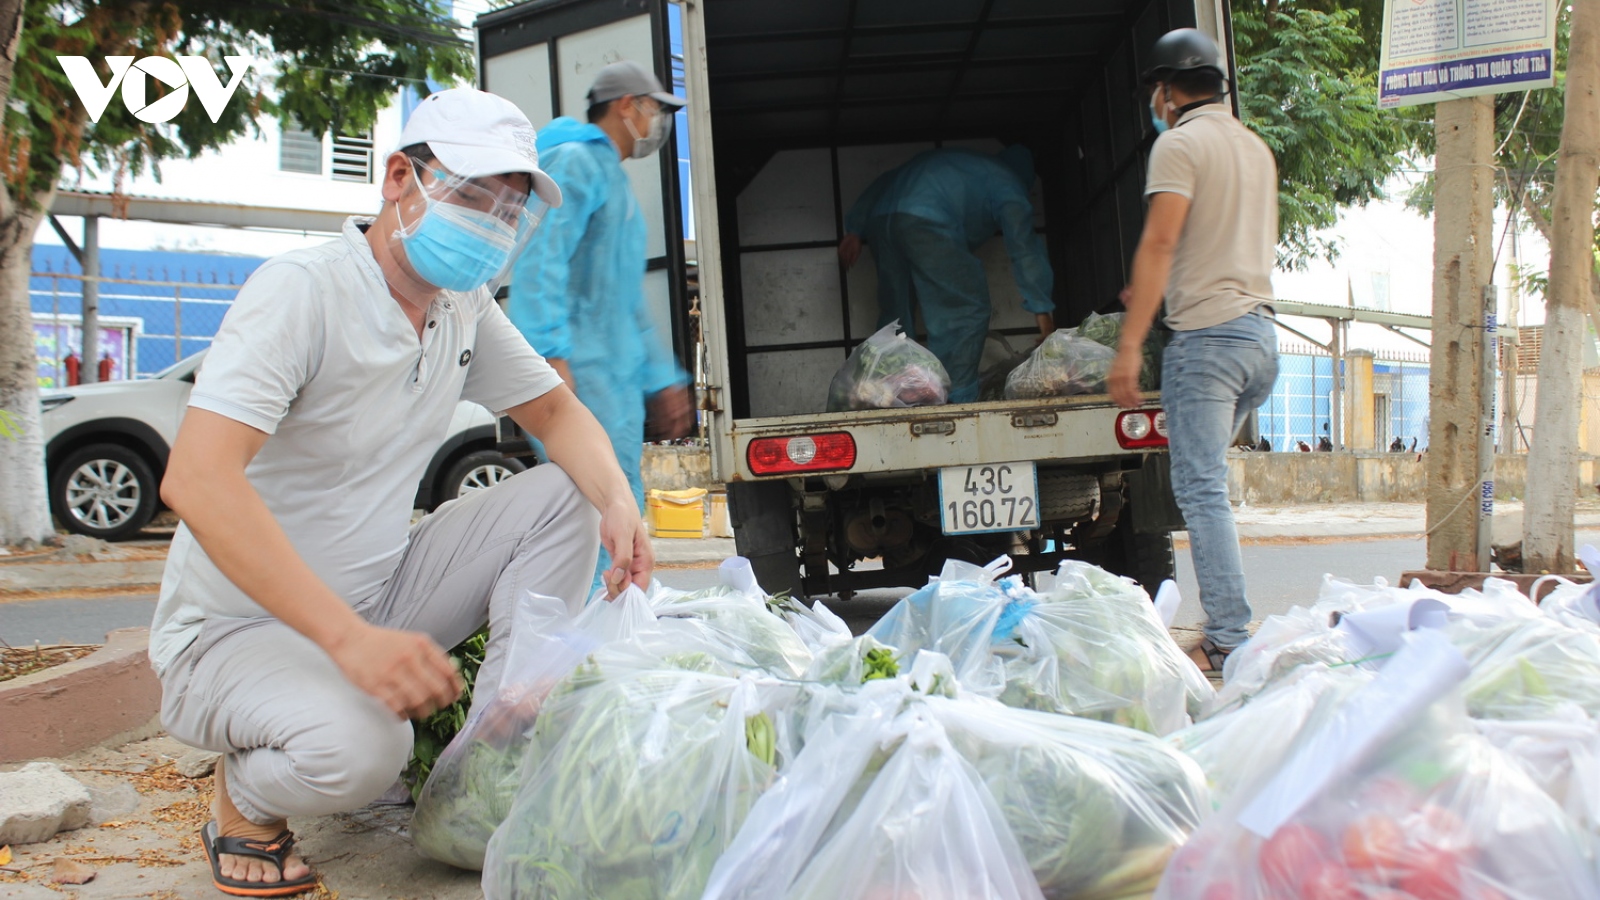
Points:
(629, 79)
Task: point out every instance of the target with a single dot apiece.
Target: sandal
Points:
(1208, 656)
(275, 851)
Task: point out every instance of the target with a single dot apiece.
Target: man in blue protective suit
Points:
(577, 292)
(923, 220)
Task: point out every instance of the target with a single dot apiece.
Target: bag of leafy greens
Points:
(909, 795)
(747, 618)
(1092, 647)
(1065, 364)
(641, 769)
(471, 786)
(1107, 330)
(887, 371)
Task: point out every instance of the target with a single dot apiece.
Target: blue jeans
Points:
(1210, 380)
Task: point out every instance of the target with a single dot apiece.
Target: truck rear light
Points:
(1139, 428)
(802, 453)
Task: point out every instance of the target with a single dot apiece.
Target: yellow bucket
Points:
(676, 514)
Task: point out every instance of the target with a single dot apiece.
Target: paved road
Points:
(1281, 576)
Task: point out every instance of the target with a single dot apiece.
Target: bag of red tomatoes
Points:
(1389, 793)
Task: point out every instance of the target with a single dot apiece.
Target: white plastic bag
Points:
(1388, 792)
(887, 371)
(473, 782)
(1065, 364)
(1092, 647)
(640, 774)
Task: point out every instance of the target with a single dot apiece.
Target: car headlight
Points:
(48, 403)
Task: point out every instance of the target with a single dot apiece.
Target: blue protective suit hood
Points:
(566, 130)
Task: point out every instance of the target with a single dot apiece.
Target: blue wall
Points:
(202, 307)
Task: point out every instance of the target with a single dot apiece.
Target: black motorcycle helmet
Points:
(1183, 50)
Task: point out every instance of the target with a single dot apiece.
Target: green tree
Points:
(330, 65)
(1308, 85)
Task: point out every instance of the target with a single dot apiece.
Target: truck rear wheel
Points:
(763, 517)
(1146, 558)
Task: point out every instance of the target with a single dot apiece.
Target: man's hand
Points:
(405, 670)
(670, 415)
(849, 250)
(1124, 379)
(632, 558)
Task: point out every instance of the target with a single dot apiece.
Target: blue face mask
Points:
(456, 248)
(1156, 118)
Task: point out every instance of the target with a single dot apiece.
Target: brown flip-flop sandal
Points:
(1208, 656)
(275, 851)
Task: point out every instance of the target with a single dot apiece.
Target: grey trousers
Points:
(300, 739)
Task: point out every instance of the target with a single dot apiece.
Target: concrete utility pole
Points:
(1547, 526)
(1463, 251)
(89, 356)
(1510, 434)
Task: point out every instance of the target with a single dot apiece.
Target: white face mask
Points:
(660, 127)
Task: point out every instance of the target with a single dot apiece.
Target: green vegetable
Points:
(634, 784)
(853, 662)
(879, 663)
(1107, 330)
(433, 734)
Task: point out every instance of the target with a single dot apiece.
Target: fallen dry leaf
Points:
(5, 856)
(67, 871)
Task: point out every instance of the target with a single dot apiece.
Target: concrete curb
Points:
(111, 694)
(74, 575)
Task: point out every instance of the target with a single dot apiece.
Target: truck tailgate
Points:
(1079, 429)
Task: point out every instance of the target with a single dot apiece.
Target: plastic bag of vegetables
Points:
(1529, 668)
(1359, 625)
(746, 619)
(474, 781)
(1389, 794)
(1092, 647)
(1065, 364)
(641, 769)
(887, 371)
(1234, 747)
(912, 796)
(1107, 330)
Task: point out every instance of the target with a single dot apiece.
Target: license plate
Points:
(995, 497)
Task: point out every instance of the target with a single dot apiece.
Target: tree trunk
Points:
(1547, 528)
(24, 505)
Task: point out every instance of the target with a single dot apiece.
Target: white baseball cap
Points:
(475, 133)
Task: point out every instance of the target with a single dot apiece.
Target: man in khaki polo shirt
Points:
(1209, 245)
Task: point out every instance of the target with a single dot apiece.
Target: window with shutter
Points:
(352, 157)
(300, 151)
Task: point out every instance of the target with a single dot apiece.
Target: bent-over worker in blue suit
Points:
(923, 220)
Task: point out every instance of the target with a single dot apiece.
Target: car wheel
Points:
(103, 490)
(477, 471)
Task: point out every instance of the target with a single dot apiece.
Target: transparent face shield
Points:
(459, 234)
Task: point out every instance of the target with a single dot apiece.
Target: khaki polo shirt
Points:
(1222, 268)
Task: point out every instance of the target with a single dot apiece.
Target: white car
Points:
(106, 449)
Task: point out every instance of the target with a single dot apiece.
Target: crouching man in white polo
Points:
(300, 623)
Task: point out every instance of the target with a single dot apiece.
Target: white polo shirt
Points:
(316, 353)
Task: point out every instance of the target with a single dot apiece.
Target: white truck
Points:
(794, 107)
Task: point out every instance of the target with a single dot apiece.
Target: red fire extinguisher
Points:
(72, 365)
(106, 365)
